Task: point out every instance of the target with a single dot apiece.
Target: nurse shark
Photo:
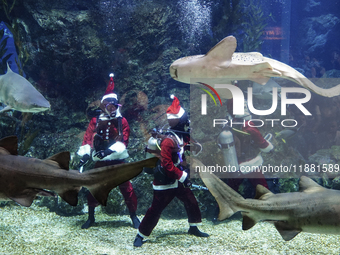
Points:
(23, 178)
(20, 95)
(223, 63)
(314, 209)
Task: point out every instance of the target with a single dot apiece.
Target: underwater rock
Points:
(336, 183)
(315, 32)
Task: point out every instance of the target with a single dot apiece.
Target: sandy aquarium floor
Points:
(35, 230)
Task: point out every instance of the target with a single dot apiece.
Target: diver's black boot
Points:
(138, 241)
(135, 220)
(90, 220)
(193, 230)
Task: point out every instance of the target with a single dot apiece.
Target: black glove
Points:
(103, 153)
(187, 183)
(83, 160)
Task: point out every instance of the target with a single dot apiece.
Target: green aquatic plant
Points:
(253, 26)
(243, 18)
(8, 7)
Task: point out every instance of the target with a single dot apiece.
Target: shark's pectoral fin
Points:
(263, 72)
(70, 196)
(24, 201)
(247, 222)
(287, 231)
(26, 196)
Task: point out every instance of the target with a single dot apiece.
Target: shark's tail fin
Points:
(104, 179)
(225, 196)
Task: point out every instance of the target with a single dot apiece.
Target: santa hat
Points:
(175, 111)
(111, 85)
(111, 98)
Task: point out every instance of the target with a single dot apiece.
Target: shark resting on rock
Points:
(314, 209)
(23, 178)
(226, 65)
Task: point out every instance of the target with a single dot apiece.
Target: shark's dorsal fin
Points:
(62, 158)
(308, 185)
(223, 51)
(286, 231)
(10, 144)
(9, 68)
(262, 192)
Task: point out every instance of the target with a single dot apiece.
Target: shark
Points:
(313, 209)
(23, 178)
(226, 65)
(20, 95)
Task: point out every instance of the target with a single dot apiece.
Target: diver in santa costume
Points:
(170, 180)
(105, 140)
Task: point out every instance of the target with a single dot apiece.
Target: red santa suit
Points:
(165, 193)
(166, 189)
(102, 133)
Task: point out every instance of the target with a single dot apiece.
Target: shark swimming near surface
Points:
(23, 178)
(313, 209)
(222, 62)
(20, 95)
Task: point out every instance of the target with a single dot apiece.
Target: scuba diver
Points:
(107, 135)
(171, 177)
(248, 144)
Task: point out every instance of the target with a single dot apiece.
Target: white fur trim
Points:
(176, 116)
(119, 152)
(184, 175)
(84, 149)
(144, 236)
(165, 187)
(172, 96)
(111, 75)
(268, 148)
(195, 224)
(251, 165)
(118, 147)
(111, 95)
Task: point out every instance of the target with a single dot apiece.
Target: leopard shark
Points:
(23, 178)
(20, 95)
(226, 66)
(313, 209)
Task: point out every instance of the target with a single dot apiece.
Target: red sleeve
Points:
(256, 136)
(126, 131)
(90, 132)
(167, 147)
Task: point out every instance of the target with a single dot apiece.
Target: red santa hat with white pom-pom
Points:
(175, 111)
(111, 85)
